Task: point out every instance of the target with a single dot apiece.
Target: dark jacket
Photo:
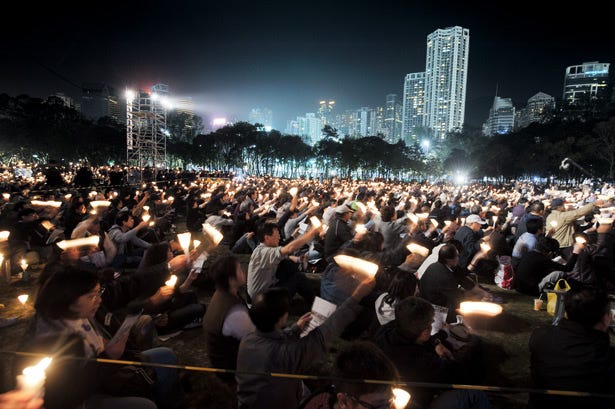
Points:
(533, 267)
(571, 357)
(470, 240)
(339, 233)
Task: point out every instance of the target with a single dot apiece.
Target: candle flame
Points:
(171, 281)
(23, 298)
(480, 307)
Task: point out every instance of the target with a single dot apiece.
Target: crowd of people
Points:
(432, 244)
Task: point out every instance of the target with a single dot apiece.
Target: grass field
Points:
(505, 337)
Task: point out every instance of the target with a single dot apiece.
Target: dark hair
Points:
(546, 245)
(26, 211)
(222, 270)
(363, 360)
(402, 285)
(413, 315)
(533, 226)
(586, 305)
(268, 307)
(266, 229)
(122, 217)
(63, 285)
(156, 254)
(386, 213)
(371, 241)
(447, 252)
(537, 206)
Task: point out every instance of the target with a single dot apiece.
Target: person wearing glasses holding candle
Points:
(67, 303)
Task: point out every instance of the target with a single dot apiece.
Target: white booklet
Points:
(321, 310)
(125, 328)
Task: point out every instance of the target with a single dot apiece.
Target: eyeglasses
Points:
(366, 405)
(98, 294)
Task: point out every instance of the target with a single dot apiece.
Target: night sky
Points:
(231, 56)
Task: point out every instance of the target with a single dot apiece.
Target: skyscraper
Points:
(501, 117)
(586, 83)
(537, 109)
(325, 111)
(413, 115)
(446, 75)
(263, 116)
(392, 118)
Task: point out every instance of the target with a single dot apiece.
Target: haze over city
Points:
(233, 56)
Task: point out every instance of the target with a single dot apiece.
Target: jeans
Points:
(168, 391)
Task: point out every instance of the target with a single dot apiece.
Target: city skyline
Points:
(236, 56)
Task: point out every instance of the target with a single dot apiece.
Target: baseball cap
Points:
(474, 218)
(343, 209)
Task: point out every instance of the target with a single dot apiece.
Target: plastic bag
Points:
(555, 300)
(505, 275)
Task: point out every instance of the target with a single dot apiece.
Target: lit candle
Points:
(293, 191)
(196, 243)
(23, 264)
(480, 307)
(413, 218)
(4, 235)
(315, 222)
(553, 223)
(435, 223)
(357, 265)
(146, 208)
(84, 241)
(6, 196)
(213, 233)
(580, 240)
(416, 249)
(495, 220)
(360, 228)
(447, 223)
(171, 281)
(184, 241)
(485, 247)
(463, 221)
(400, 398)
(32, 378)
(23, 299)
(100, 203)
(146, 217)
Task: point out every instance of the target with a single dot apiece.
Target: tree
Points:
(605, 143)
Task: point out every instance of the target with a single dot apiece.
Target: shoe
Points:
(7, 322)
(194, 324)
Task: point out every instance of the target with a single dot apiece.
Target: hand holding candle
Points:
(32, 378)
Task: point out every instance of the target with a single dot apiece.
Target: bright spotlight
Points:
(166, 103)
(130, 95)
(154, 96)
(460, 178)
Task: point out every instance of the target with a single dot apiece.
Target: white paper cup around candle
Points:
(196, 243)
(485, 247)
(213, 233)
(184, 240)
(23, 298)
(495, 219)
(463, 221)
(417, 249)
(356, 265)
(605, 220)
(4, 235)
(434, 222)
(360, 228)
(325, 227)
(422, 215)
(580, 240)
(553, 223)
(480, 308)
(401, 398)
(32, 378)
(171, 281)
(6, 196)
(23, 264)
(315, 222)
(447, 223)
(146, 217)
(84, 241)
(146, 208)
(100, 203)
(413, 218)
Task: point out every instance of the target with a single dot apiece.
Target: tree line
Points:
(33, 129)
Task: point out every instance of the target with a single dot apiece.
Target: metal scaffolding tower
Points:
(146, 124)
